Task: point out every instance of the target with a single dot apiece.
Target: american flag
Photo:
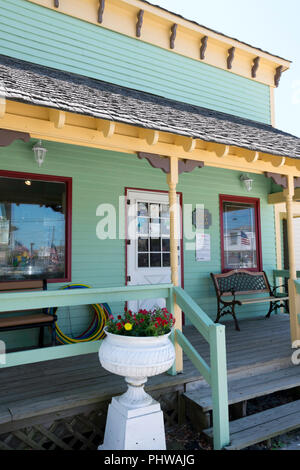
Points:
(244, 239)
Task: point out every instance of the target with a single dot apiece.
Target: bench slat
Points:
(25, 320)
(267, 299)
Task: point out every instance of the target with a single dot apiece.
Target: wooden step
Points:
(247, 388)
(261, 426)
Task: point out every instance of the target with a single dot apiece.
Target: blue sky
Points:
(272, 25)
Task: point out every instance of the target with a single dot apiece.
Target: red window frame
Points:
(244, 200)
(68, 226)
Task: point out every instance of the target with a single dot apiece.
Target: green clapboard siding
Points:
(36, 34)
(101, 177)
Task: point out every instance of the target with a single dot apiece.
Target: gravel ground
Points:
(184, 437)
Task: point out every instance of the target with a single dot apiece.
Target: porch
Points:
(40, 402)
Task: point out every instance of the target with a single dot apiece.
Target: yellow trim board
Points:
(121, 16)
(86, 131)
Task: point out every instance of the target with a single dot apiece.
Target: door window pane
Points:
(143, 244)
(32, 229)
(166, 259)
(239, 235)
(153, 230)
(155, 260)
(155, 244)
(143, 260)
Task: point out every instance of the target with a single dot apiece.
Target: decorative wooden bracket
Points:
(231, 53)
(101, 11)
(255, 66)
(58, 118)
(151, 136)
(140, 17)
(107, 128)
(221, 150)
(203, 47)
(8, 137)
(56, 3)
(173, 35)
(278, 74)
(187, 166)
(163, 163)
(156, 161)
(187, 143)
(278, 179)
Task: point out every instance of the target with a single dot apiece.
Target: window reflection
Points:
(239, 235)
(32, 229)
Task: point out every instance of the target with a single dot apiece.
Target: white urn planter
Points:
(135, 420)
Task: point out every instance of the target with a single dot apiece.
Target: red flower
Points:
(119, 317)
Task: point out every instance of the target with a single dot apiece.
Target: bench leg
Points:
(270, 310)
(235, 321)
(41, 337)
(53, 335)
(231, 312)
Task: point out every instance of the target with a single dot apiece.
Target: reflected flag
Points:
(244, 239)
(53, 254)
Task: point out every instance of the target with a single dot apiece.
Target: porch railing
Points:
(282, 274)
(215, 373)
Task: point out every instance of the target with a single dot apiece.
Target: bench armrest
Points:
(274, 289)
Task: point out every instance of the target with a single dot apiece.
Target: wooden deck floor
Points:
(57, 386)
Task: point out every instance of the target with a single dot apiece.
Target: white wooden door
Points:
(148, 243)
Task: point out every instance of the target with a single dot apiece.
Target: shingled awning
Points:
(43, 86)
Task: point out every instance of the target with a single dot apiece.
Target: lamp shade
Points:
(39, 153)
(247, 182)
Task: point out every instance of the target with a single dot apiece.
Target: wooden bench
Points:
(242, 282)
(39, 319)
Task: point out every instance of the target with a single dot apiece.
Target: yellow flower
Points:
(128, 326)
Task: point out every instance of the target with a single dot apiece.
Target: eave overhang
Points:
(152, 24)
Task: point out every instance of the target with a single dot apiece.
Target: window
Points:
(35, 223)
(240, 233)
(153, 227)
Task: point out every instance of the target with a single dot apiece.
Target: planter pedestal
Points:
(135, 421)
(134, 429)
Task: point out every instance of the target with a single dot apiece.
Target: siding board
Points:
(33, 33)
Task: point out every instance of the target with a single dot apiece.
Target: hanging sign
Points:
(201, 218)
(203, 247)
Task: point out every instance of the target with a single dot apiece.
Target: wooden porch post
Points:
(172, 180)
(294, 301)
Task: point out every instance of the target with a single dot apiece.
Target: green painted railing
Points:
(215, 373)
(67, 298)
(282, 273)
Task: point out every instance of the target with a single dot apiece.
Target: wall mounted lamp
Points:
(39, 153)
(247, 182)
